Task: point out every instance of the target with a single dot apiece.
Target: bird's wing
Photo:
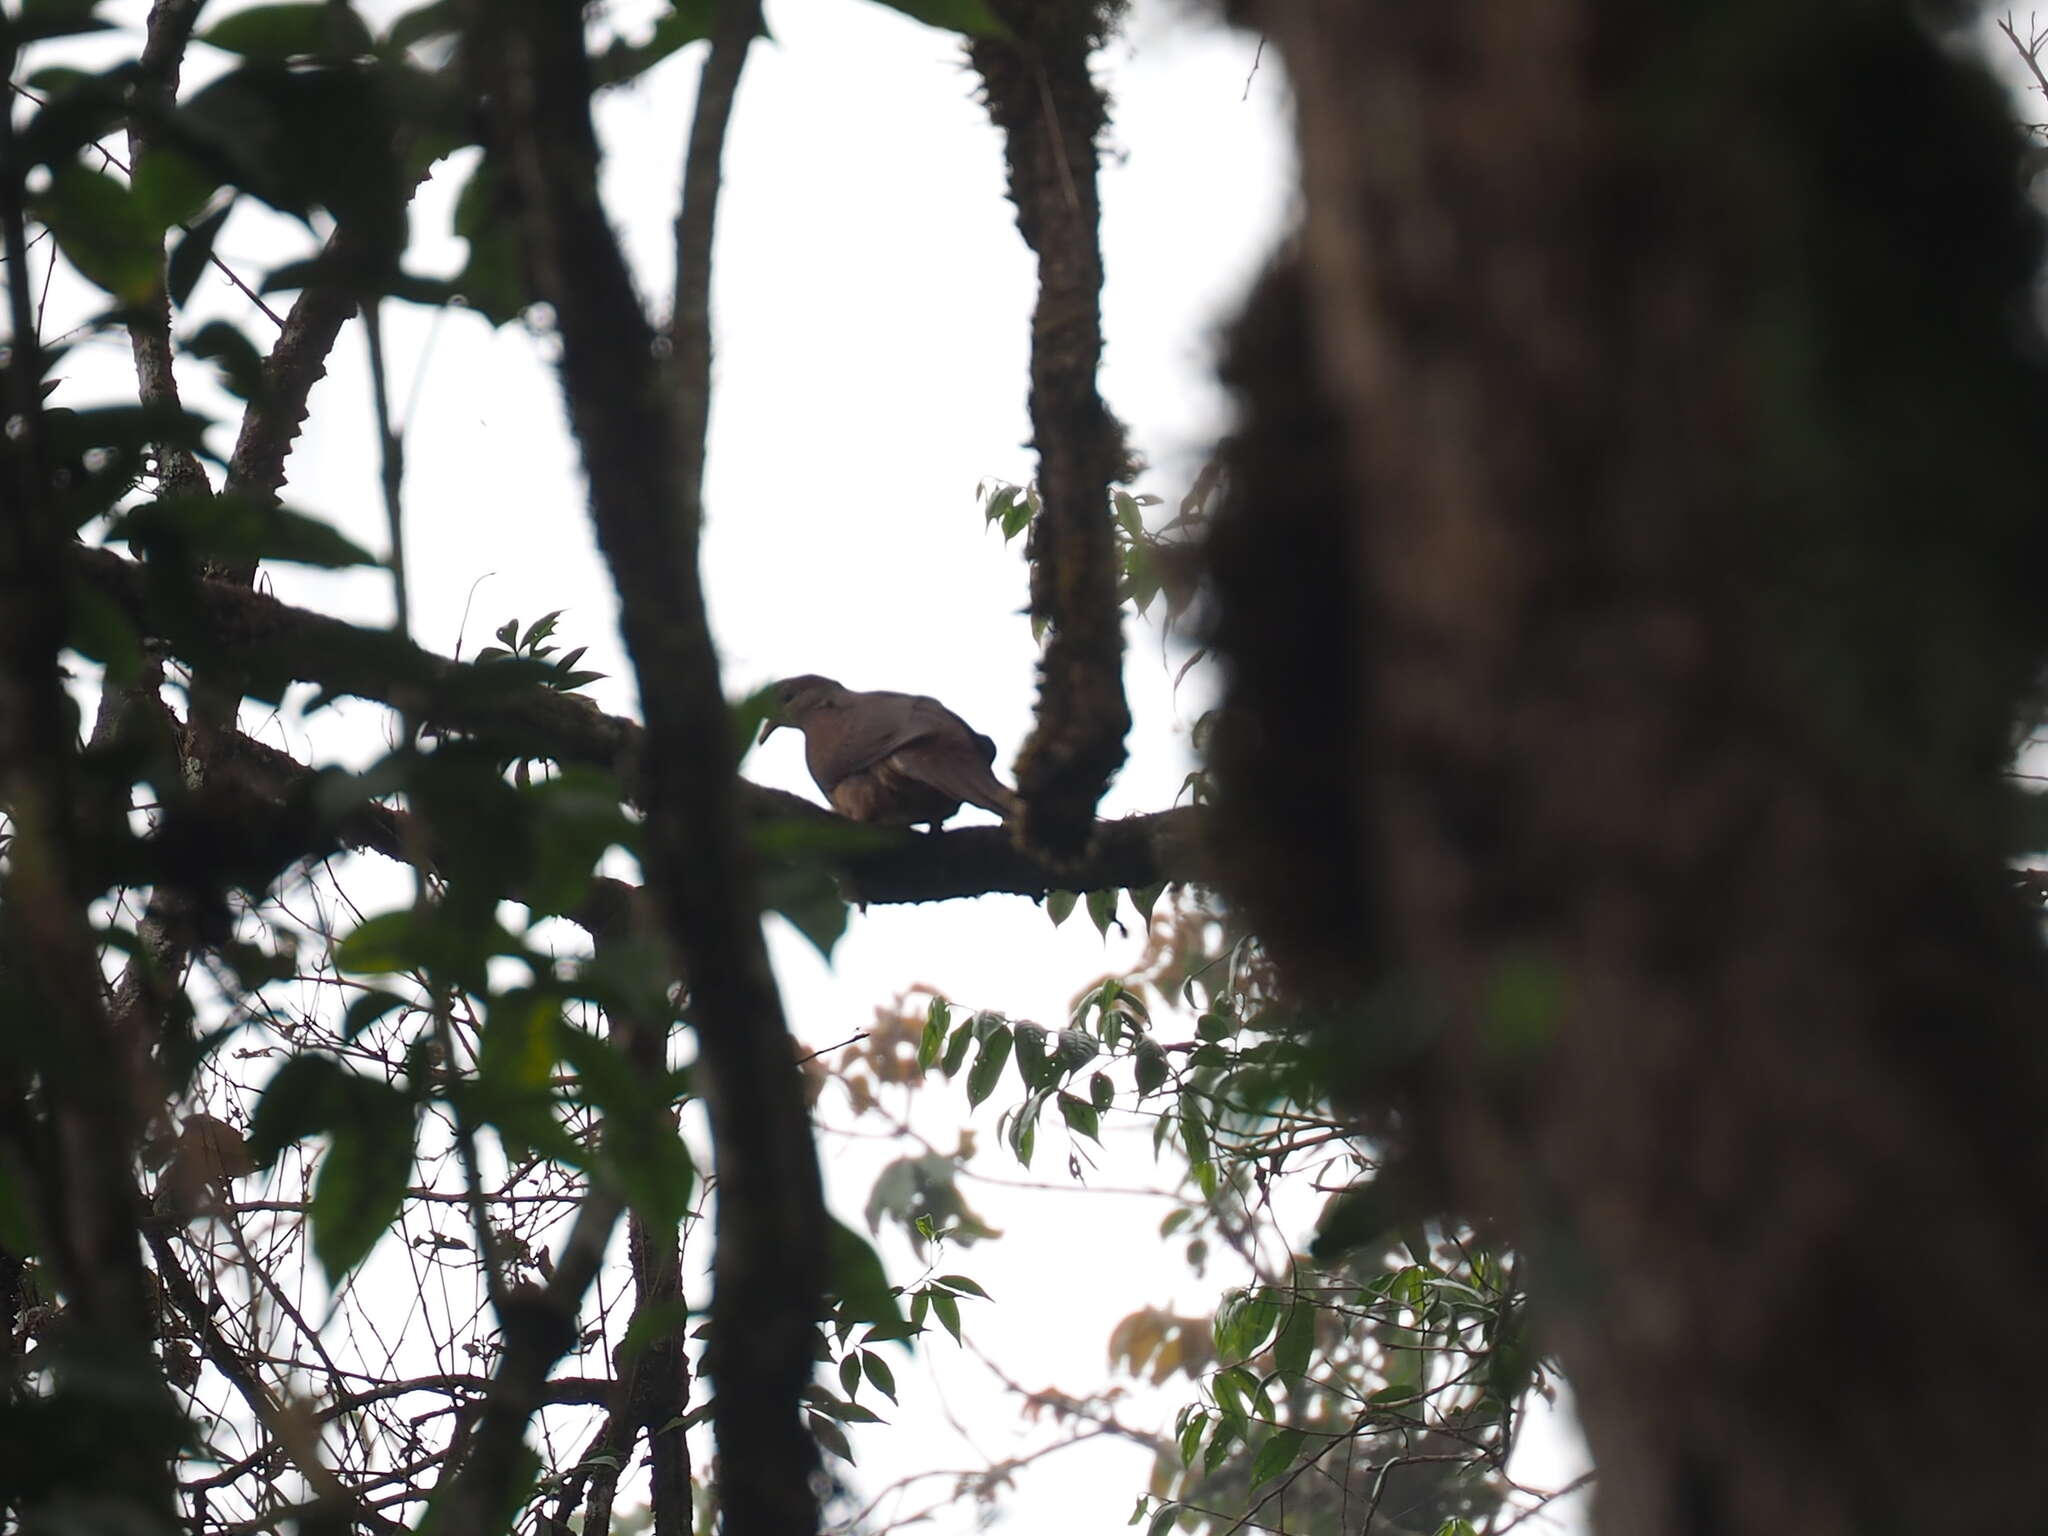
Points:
(954, 763)
(860, 729)
(931, 718)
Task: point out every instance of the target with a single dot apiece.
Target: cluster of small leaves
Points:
(531, 645)
(1047, 1063)
(1151, 561)
(1340, 1360)
(461, 1024)
(865, 1300)
(1102, 905)
(515, 998)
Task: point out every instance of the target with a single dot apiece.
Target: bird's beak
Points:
(768, 728)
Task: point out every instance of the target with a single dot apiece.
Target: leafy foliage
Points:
(434, 1096)
(1381, 1363)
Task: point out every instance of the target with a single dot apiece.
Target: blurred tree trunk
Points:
(1632, 585)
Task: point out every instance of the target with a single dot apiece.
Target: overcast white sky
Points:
(871, 304)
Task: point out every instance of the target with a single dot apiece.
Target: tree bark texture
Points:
(1635, 551)
(1042, 95)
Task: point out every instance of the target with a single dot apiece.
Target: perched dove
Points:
(895, 759)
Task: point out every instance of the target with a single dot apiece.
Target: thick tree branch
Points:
(296, 645)
(1041, 95)
(74, 1140)
(149, 334)
(297, 361)
(1675, 681)
(642, 440)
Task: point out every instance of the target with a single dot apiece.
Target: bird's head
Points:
(793, 700)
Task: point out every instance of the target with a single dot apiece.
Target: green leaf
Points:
(40, 19)
(900, 1331)
(1081, 1117)
(96, 626)
(1058, 904)
(808, 897)
(229, 526)
(170, 187)
(103, 230)
(1256, 1319)
(1194, 1127)
(1233, 1389)
(1152, 1069)
(368, 1007)
(1076, 1049)
(961, 1283)
(830, 1436)
(849, 1373)
(303, 1097)
(1297, 1339)
(879, 1373)
(1356, 1218)
(946, 1306)
(1227, 1329)
(642, 1149)
(1164, 1516)
(937, 1017)
(269, 128)
(988, 1065)
(1102, 909)
(956, 1048)
(1034, 1060)
(275, 33)
(387, 943)
(362, 1181)
(859, 1281)
(240, 364)
(845, 1412)
(1276, 1455)
(190, 256)
(574, 817)
(1129, 515)
(78, 109)
(1221, 1437)
(1146, 897)
(1101, 1091)
(493, 281)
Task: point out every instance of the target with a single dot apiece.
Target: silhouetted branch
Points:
(1040, 93)
(294, 644)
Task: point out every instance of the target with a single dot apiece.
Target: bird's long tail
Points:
(946, 766)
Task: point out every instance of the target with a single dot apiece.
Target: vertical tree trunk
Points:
(1664, 366)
